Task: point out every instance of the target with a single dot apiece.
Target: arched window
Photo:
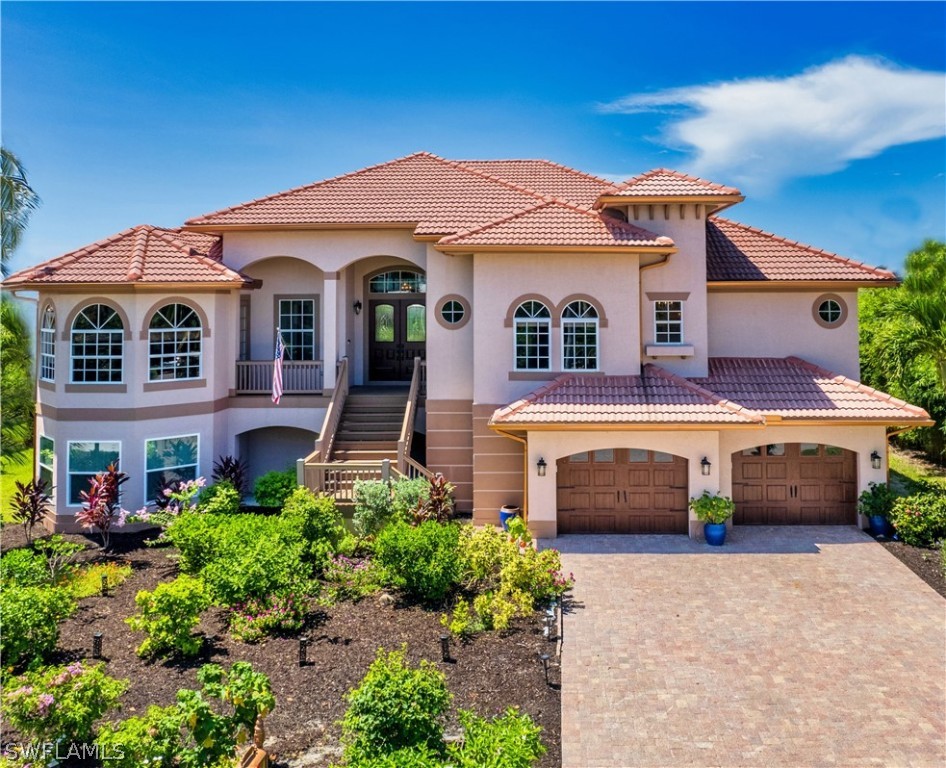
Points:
(174, 336)
(398, 281)
(580, 337)
(532, 325)
(97, 339)
(47, 345)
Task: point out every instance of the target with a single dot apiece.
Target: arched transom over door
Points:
(622, 490)
(795, 484)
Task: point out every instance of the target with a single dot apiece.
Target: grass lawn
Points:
(19, 468)
(907, 468)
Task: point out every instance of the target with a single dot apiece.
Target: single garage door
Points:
(795, 484)
(622, 491)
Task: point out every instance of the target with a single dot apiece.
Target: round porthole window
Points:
(453, 312)
(829, 311)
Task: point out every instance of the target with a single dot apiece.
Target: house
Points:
(594, 352)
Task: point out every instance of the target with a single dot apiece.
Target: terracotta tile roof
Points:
(439, 196)
(795, 389)
(663, 182)
(142, 254)
(557, 225)
(738, 252)
(546, 178)
(656, 397)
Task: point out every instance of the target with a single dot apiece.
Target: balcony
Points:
(299, 377)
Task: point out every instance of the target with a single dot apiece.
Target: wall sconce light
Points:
(705, 465)
(357, 307)
(540, 466)
(875, 460)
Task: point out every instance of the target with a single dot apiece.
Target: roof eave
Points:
(217, 229)
(126, 286)
(723, 286)
(572, 426)
(721, 201)
(616, 249)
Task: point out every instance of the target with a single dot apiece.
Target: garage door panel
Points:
(579, 476)
(776, 493)
(776, 471)
(664, 478)
(751, 471)
(638, 477)
(639, 501)
(604, 500)
(808, 493)
(604, 477)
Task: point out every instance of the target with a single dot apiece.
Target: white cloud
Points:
(762, 131)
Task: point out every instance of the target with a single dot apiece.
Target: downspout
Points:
(525, 467)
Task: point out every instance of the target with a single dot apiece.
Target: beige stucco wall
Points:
(781, 324)
(452, 349)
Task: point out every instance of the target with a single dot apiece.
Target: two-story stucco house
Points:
(594, 352)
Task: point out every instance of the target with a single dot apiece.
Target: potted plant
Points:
(875, 504)
(506, 513)
(713, 510)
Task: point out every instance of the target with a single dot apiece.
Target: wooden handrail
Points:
(333, 414)
(255, 377)
(407, 425)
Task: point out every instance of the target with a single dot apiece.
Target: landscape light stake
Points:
(97, 645)
(445, 647)
(550, 622)
(545, 666)
(104, 585)
(303, 649)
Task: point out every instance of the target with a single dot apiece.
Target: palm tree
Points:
(17, 203)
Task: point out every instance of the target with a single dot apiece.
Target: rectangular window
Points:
(47, 455)
(244, 327)
(168, 459)
(580, 345)
(668, 322)
(97, 357)
(87, 459)
(532, 345)
(296, 319)
(47, 346)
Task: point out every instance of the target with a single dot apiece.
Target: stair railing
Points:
(333, 415)
(407, 425)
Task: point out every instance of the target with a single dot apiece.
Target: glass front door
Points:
(397, 334)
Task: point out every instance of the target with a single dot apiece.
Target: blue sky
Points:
(828, 116)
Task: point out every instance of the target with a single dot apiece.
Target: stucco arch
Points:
(599, 307)
(71, 318)
(519, 300)
(204, 322)
(248, 268)
(390, 260)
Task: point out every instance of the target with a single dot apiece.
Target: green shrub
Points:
(61, 702)
(409, 757)
(395, 706)
(198, 538)
(154, 740)
(318, 520)
(407, 495)
(59, 555)
(87, 580)
(24, 568)
(168, 615)
(257, 618)
(273, 488)
(424, 561)
(510, 740)
(30, 619)
(219, 499)
(878, 499)
(350, 579)
(920, 519)
(374, 506)
(437, 504)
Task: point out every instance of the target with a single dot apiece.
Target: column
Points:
(329, 330)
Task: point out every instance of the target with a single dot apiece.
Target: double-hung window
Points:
(533, 322)
(174, 339)
(169, 460)
(668, 322)
(296, 318)
(87, 459)
(47, 345)
(580, 337)
(47, 458)
(97, 339)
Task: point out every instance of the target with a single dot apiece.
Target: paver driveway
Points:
(795, 647)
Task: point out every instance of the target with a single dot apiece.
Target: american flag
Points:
(277, 367)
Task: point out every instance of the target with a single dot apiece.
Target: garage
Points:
(795, 484)
(621, 490)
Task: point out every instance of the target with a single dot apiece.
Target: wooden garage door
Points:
(795, 484)
(622, 491)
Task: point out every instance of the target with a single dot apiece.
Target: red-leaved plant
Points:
(100, 504)
(30, 505)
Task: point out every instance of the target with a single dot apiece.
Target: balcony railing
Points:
(299, 377)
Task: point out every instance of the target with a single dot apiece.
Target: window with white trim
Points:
(297, 326)
(47, 457)
(668, 322)
(174, 343)
(167, 460)
(580, 337)
(87, 459)
(97, 340)
(47, 345)
(533, 323)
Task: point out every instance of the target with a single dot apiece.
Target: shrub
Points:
(154, 740)
(61, 702)
(23, 567)
(101, 507)
(232, 470)
(351, 579)
(437, 504)
(253, 620)
(319, 521)
(30, 505)
(219, 499)
(87, 581)
(373, 506)
(58, 554)
(878, 499)
(407, 495)
(920, 519)
(510, 740)
(273, 488)
(31, 617)
(168, 615)
(423, 561)
(198, 539)
(395, 707)
(409, 757)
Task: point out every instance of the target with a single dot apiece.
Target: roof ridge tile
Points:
(631, 182)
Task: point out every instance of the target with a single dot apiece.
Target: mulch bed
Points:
(925, 563)
(487, 675)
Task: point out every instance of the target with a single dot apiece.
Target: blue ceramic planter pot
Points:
(506, 514)
(878, 525)
(715, 533)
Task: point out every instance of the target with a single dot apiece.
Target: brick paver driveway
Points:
(795, 647)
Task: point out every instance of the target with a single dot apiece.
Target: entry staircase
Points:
(367, 434)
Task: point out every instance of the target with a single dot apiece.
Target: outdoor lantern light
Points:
(445, 647)
(875, 460)
(705, 466)
(303, 650)
(357, 307)
(104, 585)
(545, 665)
(97, 645)
(540, 467)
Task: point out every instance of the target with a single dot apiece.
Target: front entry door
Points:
(397, 334)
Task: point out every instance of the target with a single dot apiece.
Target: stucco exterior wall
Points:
(774, 324)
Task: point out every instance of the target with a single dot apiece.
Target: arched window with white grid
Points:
(532, 323)
(174, 343)
(580, 337)
(47, 345)
(97, 341)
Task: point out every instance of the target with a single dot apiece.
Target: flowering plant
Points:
(56, 703)
(100, 504)
(256, 618)
(351, 579)
(173, 500)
